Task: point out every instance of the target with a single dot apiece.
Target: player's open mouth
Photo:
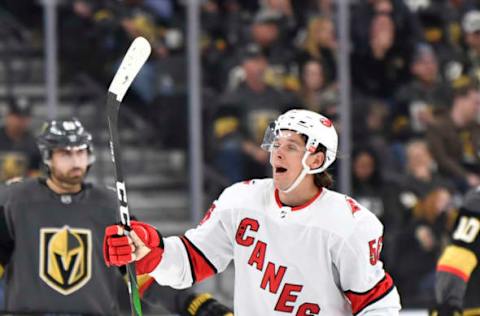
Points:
(280, 170)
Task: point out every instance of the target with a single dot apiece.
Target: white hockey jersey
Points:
(321, 258)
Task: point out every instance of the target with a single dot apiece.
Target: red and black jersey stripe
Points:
(200, 267)
(360, 300)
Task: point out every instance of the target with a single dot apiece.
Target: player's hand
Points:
(143, 244)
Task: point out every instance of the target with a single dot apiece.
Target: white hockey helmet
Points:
(317, 128)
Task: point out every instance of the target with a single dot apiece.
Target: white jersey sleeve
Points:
(203, 251)
(369, 289)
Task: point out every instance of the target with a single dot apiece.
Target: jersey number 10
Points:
(467, 229)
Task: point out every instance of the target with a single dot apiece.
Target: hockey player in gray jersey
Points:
(52, 232)
(457, 286)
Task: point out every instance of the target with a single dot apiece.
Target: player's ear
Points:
(316, 160)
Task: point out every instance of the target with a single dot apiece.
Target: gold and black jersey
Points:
(56, 262)
(458, 272)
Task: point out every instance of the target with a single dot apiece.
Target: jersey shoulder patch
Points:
(344, 203)
(354, 206)
(360, 217)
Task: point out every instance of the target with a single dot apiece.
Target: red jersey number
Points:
(375, 247)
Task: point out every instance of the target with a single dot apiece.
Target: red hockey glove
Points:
(144, 245)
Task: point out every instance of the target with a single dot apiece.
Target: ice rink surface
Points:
(414, 313)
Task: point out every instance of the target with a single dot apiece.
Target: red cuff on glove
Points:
(118, 249)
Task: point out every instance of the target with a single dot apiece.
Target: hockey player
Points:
(51, 237)
(457, 287)
(298, 247)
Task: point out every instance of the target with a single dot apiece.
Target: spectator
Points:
(321, 44)
(287, 22)
(441, 29)
(384, 60)
(406, 24)
(19, 156)
(315, 93)
(418, 246)
(420, 99)
(471, 29)
(454, 137)
(243, 115)
(265, 31)
(421, 171)
(133, 18)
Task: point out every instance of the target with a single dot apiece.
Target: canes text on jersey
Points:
(272, 276)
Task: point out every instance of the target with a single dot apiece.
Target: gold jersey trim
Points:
(458, 258)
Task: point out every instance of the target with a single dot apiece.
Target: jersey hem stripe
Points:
(451, 270)
(376, 300)
(360, 300)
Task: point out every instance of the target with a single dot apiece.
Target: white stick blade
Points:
(137, 54)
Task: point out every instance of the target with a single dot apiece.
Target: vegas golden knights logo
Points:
(65, 258)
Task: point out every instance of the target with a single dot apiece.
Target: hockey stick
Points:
(134, 59)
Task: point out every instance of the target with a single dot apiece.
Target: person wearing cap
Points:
(266, 31)
(19, 155)
(298, 247)
(242, 116)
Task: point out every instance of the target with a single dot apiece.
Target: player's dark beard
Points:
(71, 177)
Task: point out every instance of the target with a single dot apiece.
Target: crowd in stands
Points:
(415, 70)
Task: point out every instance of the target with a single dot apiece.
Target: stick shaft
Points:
(113, 107)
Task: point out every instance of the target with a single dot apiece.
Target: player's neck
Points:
(303, 193)
(60, 187)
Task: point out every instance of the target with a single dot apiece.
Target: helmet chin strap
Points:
(301, 176)
(297, 181)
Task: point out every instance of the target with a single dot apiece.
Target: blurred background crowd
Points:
(415, 71)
